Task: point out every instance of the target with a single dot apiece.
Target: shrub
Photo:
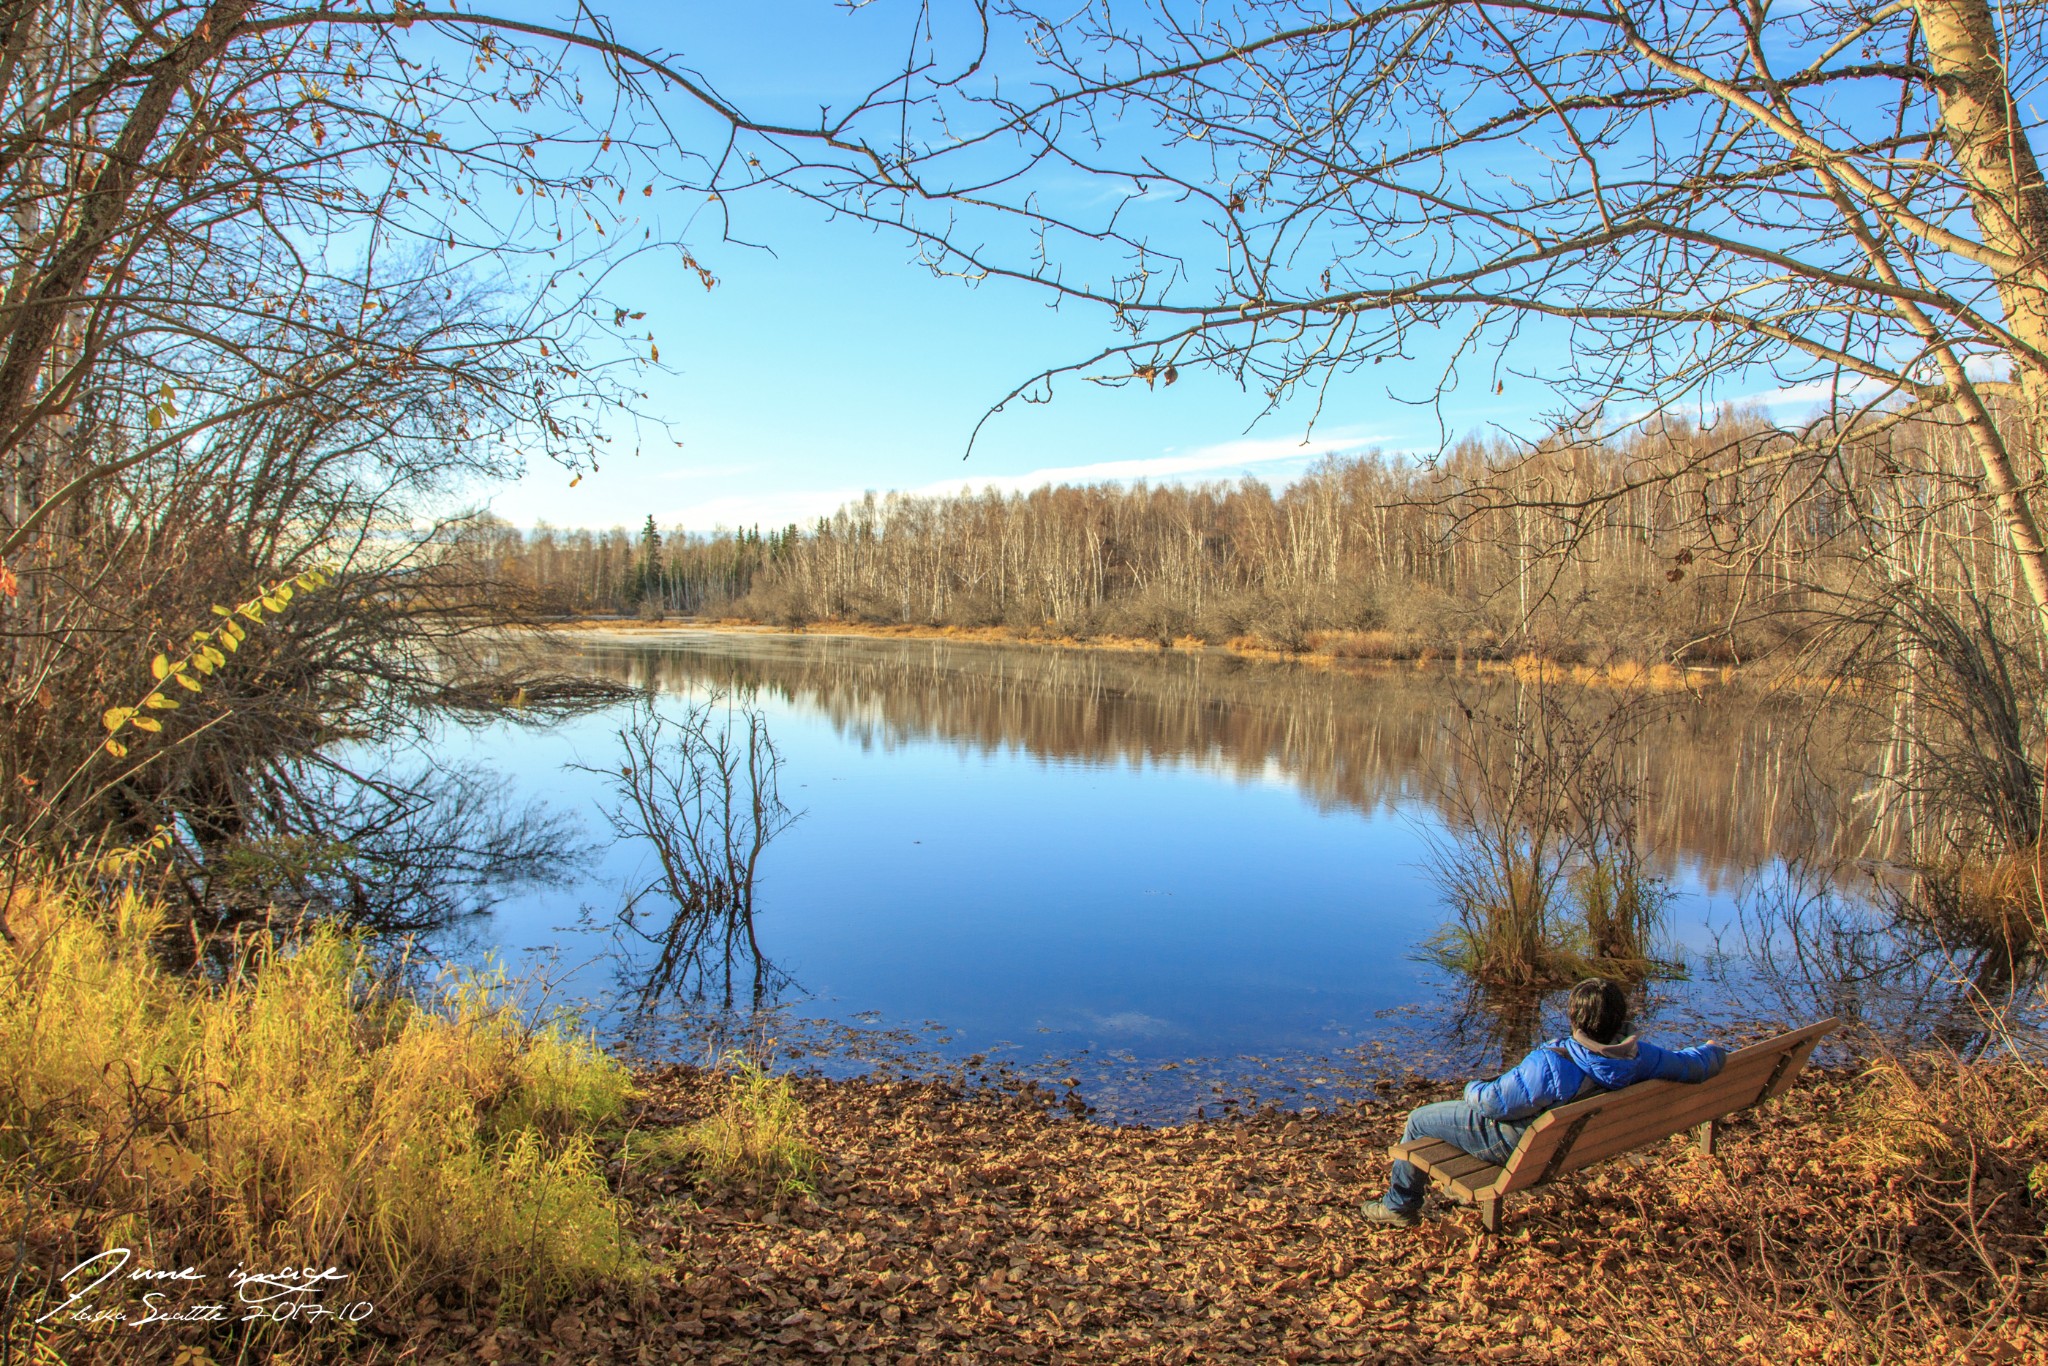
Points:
(296, 1114)
(1364, 645)
(1155, 614)
(754, 1137)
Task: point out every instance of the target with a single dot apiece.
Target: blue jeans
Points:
(1457, 1122)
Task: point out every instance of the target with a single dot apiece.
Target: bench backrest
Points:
(1608, 1123)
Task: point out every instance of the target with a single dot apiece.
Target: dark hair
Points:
(1599, 1010)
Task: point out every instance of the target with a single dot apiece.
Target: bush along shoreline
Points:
(362, 1174)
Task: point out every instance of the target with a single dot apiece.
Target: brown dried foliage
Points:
(970, 1226)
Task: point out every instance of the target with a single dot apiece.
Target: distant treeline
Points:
(649, 571)
(1701, 544)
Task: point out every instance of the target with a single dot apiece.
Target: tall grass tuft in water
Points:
(1538, 861)
(1519, 927)
(296, 1114)
(1619, 911)
(1506, 932)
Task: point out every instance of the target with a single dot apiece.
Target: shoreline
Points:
(1330, 657)
(546, 1213)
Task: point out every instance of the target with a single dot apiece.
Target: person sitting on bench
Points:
(1600, 1055)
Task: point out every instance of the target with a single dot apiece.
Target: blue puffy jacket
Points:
(1566, 1069)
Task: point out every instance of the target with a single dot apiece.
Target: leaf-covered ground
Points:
(972, 1226)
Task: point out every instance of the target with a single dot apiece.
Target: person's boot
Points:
(1378, 1213)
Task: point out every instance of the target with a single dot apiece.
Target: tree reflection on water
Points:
(1882, 962)
(1738, 787)
(1732, 779)
(699, 788)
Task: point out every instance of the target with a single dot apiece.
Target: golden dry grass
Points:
(294, 1115)
(754, 1137)
(1376, 646)
(1622, 675)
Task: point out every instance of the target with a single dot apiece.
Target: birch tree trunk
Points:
(1997, 163)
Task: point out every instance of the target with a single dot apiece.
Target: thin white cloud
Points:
(1854, 388)
(1243, 455)
(1851, 387)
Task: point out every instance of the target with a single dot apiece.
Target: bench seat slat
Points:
(1475, 1185)
(1449, 1166)
(1427, 1152)
(1463, 1165)
(1472, 1179)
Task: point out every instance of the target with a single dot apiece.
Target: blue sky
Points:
(827, 362)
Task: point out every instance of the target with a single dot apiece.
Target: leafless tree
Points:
(217, 208)
(275, 277)
(700, 791)
(1655, 198)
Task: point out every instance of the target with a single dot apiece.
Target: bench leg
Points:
(1703, 1135)
(1489, 1213)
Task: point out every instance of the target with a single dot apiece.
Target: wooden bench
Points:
(1609, 1123)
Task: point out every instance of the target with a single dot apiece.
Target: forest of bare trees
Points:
(1489, 550)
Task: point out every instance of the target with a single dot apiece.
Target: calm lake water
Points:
(1182, 879)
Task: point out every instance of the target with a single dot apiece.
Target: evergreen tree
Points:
(647, 576)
